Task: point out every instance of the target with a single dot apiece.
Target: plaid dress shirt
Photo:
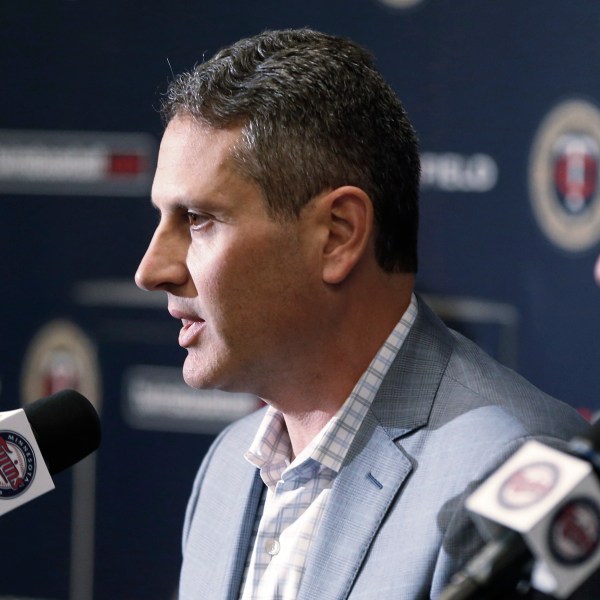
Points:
(297, 491)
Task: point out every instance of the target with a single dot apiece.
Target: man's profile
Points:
(287, 185)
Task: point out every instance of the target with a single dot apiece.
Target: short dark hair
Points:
(315, 115)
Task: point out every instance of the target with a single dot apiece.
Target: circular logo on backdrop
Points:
(60, 356)
(17, 464)
(574, 532)
(528, 485)
(564, 175)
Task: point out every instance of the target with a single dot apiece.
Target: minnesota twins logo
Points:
(576, 171)
(528, 485)
(17, 464)
(574, 532)
(564, 176)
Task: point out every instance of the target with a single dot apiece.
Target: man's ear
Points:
(348, 215)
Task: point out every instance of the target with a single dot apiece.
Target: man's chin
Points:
(201, 376)
(196, 377)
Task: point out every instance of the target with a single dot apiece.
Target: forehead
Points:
(193, 156)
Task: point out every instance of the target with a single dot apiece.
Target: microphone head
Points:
(66, 427)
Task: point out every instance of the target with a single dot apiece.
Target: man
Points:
(287, 185)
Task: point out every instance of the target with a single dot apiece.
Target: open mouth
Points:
(190, 332)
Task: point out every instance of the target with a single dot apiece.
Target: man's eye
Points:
(196, 220)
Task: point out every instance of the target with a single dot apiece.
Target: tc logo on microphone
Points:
(574, 532)
(17, 464)
(528, 485)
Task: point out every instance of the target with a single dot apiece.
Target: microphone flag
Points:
(23, 471)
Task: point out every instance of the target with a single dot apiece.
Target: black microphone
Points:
(47, 437)
(66, 427)
(494, 572)
(547, 504)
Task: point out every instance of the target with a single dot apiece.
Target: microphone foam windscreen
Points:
(66, 427)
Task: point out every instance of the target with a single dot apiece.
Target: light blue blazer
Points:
(395, 525)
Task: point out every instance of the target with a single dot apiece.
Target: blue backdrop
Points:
(505, 98)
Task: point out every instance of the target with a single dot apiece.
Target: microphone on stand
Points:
(544, 506)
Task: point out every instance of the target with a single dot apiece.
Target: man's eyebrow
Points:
(184, 205)
(175, 206)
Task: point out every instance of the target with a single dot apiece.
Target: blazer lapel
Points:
(359, 500)
(220, 534)
(245, 514)
(376, 467)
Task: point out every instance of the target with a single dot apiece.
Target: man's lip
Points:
(192, 326)
(185, 316)
(190, 333)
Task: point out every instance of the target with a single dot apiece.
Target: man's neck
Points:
(303, 430)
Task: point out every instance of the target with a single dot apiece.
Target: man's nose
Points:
(163, 267)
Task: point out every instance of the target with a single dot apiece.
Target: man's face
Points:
(245, 286)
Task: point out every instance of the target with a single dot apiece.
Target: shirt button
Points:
(272, 547)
